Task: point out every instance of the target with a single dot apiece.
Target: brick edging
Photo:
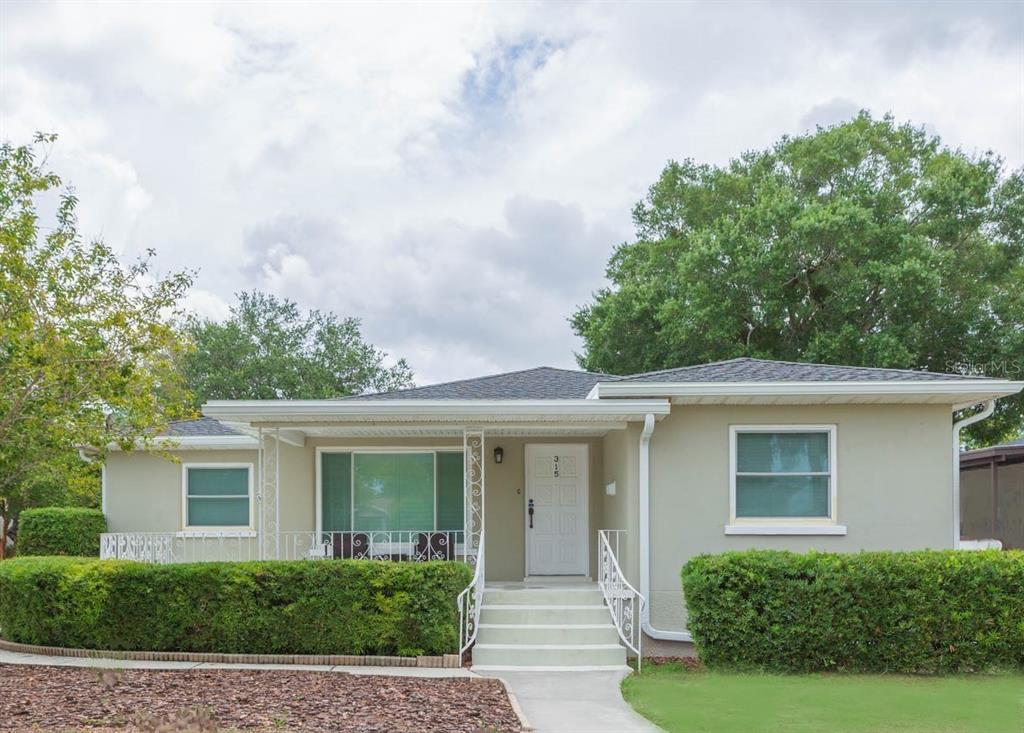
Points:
(445, 661)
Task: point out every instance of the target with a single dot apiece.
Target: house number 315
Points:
(555, 459)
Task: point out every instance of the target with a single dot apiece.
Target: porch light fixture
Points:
(499, 454)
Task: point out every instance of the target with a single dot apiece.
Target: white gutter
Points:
(990, 406)
(974, 389)
(264, 410)
(645, 539)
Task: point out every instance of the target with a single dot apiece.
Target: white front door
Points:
(556, 490)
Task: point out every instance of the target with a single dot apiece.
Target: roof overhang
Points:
(269, 413)
(951, 392)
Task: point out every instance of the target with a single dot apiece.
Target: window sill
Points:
(785, 529)
(216, 533)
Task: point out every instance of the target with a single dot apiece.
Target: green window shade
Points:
(336, 491)
(782, 496)
(217, 497)
(782, 452)
(393, 491)
(450, 507)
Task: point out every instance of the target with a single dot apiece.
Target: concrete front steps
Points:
(561, 627)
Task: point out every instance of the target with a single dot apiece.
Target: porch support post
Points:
(270, 476)
(473, 491)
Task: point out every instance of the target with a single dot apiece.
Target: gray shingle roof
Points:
(202, 426)
(540, 383)
(746, 369)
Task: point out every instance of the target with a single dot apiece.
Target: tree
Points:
(268, 349)
(87, 345)
(867, 243)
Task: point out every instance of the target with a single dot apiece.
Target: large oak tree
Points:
(866, 243)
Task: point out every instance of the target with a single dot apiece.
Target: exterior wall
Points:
(621, 511)
(144, 491)
(894, 483)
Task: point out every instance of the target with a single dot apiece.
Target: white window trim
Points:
(321, 449)
(239, 530)
(785, 525)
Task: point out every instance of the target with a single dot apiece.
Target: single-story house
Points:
(527, 468)
(992, 493)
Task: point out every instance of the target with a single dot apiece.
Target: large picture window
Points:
(783, 474)
(391, 491)
(218, 496)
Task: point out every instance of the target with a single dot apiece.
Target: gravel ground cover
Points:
(74, 698)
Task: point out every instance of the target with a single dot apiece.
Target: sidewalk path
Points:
(575, 702)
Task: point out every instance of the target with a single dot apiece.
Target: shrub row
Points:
(909, 612)
(302, 607)
(60, 531)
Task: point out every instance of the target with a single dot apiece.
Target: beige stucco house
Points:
(518, 473)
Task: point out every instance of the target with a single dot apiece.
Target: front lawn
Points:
(679, 700)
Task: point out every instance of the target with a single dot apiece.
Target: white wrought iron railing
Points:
(470, 601)
(213, 546)
(623, 600)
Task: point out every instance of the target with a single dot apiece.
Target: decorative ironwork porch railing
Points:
(182, 547)
(623, 600)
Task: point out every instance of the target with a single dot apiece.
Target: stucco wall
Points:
(621, 466)
(894, 479)
(144, 491)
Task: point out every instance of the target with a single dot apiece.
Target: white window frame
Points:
(386, 547)
(246, 531)
(785, 525)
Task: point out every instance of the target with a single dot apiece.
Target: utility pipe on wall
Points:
(645, 539)
(990, 406)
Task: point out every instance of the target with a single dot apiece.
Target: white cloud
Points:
(457, 174)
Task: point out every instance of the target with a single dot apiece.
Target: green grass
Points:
(685, 701)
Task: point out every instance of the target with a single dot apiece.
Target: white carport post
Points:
(473, 491)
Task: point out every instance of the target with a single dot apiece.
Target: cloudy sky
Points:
(457, 174)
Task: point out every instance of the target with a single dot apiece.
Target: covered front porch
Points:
(411, 482)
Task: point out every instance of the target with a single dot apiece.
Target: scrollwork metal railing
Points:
(470, 601)
(213, 546)
(623, 600)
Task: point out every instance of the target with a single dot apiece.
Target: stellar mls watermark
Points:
(1000, 368)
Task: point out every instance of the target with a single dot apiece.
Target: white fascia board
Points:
(201, 442)
(269, 410)
(978, 388)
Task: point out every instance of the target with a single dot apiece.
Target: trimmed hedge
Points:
(301, 607)
(907, 612)
(60, 530)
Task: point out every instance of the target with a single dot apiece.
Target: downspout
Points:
(645, 539)
(990, 406)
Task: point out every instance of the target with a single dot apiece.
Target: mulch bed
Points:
(75, 698)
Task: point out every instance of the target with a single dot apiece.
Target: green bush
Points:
(301, 607)
(908, 612)
(60, 531)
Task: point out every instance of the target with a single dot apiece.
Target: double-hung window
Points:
(217, 496)
(783, 480)
(400, 491)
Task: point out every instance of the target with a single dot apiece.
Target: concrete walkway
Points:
(574, 702)
(7, 657)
